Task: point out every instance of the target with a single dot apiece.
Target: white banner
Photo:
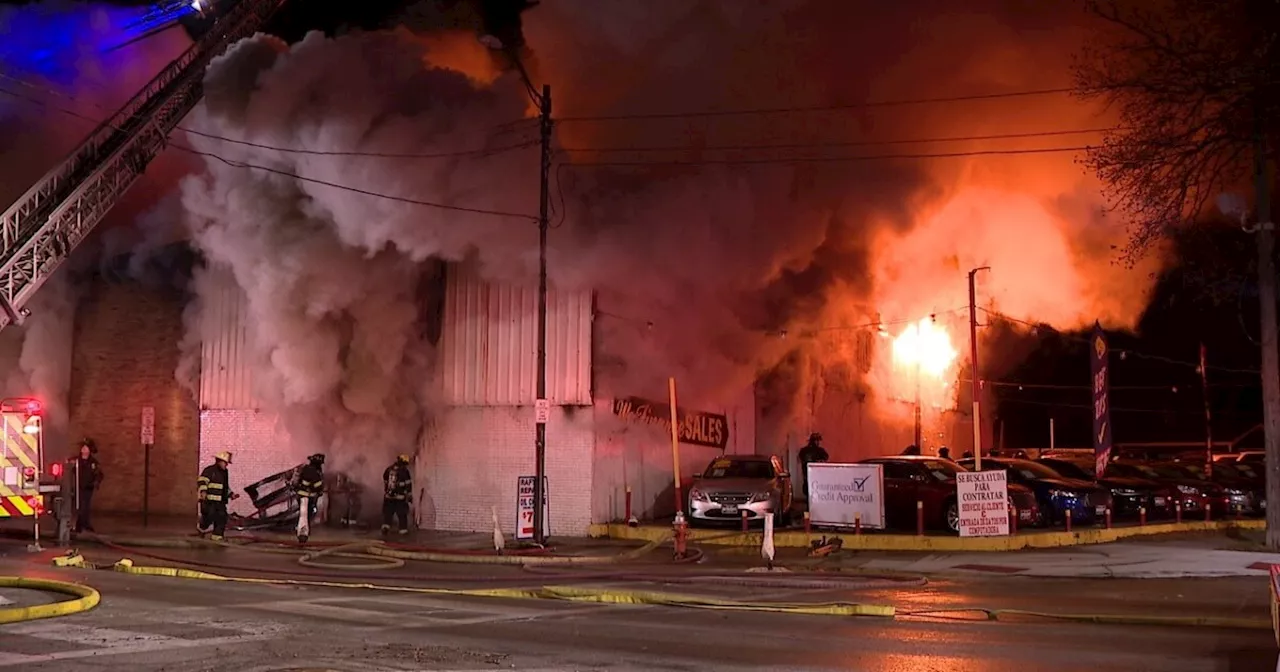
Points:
(839, 494)
(984, 503)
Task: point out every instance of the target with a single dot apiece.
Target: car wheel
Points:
(951, 516)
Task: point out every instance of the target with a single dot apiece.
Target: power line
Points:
(856, 143)
(390, 197)
(1123, 351)
(481, 151)
(276, 171)
(817, 108)
(832, 159)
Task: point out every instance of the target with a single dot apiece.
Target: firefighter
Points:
(310, 487)
(88, 477)
(214, 487)
(811, 452)
(397, 494)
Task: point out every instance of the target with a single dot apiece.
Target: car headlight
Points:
(1188, 490)
(1062, 493)
(760, 497)
(1128, 492)
(697, 495)
(1234, 492)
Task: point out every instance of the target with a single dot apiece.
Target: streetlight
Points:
(543, 101)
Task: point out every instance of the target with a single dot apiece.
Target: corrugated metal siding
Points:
(226, 375)
(490, 343)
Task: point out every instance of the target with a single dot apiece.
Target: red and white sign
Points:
(541, 411)
(524, 507)
(984, 503)
(148, 425)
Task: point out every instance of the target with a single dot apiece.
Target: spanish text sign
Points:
(984, 503)
(845, 495)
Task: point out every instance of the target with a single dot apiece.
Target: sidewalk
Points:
(1125, 559)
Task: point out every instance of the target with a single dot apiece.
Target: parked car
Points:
(1245, 492)
(1251, 456)
(734, 484)
(932, 482)
(1194, 493)
(1128, 493)
(1055, 493)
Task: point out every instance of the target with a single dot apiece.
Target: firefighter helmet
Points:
(317, 459)
(224, 456)
(402, 458)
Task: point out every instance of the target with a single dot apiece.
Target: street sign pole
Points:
(148, 436)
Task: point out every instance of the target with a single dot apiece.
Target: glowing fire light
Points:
(926, 345)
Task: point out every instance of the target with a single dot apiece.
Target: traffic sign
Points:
(148, 425)
(541, 411)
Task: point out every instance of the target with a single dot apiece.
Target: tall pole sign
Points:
(1101, 370)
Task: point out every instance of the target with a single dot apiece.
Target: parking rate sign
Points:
(984, 503)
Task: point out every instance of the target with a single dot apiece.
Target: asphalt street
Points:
(185, 625)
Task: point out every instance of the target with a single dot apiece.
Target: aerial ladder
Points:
(53, 217)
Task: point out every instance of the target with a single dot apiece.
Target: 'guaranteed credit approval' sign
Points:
(984, 503)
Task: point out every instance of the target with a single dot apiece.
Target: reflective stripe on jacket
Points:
(310, 481)
(214, 484)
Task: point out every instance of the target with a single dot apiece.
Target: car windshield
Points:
(1240, 468)
(1129, 471)
(943, 470)
(1253, 458)
(1172, 471)
(1069, 469)
(1031, 470)
(739, 469)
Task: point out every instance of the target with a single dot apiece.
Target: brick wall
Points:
(473, 456)
(125, 354)
(258, 443)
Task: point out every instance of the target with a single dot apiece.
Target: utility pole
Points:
(918, 436)
(1270, 358)
(1208, 418)
(974, 381)
(540, 440)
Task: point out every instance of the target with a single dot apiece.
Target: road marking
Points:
(83, 634)
(147, 646)
(4, 601)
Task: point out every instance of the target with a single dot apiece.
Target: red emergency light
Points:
(29, 474)
(55, 470)
(33, 406)
(35, 504)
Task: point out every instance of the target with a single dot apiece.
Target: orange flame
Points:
(926, 345)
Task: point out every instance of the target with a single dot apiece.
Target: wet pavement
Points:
(184, 625)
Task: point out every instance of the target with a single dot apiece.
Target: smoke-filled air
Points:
(717, 266)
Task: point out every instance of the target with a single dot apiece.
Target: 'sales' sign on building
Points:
(696, 427)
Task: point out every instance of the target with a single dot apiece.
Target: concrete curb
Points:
(910, 542)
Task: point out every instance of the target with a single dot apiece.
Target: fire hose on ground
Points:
(84, 599)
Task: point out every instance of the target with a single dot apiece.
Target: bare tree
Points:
(1196, 84)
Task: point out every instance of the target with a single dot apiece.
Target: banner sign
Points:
(696, 427)
(524, 507)
(984, 503)
(1100, 371)
(845, 495)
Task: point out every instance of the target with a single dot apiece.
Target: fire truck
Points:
(22, 460)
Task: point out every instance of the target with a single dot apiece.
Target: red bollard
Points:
(1238, 511)
(919, 518)
(857, 523)
(1142, 516)
(744, 521)
(628, 514)
(1177, 513)
(1108, 519)
(1013, 519)
(1207, 508)
(808, 529)
(1068, 520)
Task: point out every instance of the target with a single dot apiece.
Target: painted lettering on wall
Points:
(696, 427)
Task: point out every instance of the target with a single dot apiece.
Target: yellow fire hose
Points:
(86, 598)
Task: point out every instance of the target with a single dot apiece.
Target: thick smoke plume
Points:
(713, 272)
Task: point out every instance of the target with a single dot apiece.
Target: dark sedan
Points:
(1193, 493)
(1128, 493)
(931, 481)
(1055, 493)
(1246, 489)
